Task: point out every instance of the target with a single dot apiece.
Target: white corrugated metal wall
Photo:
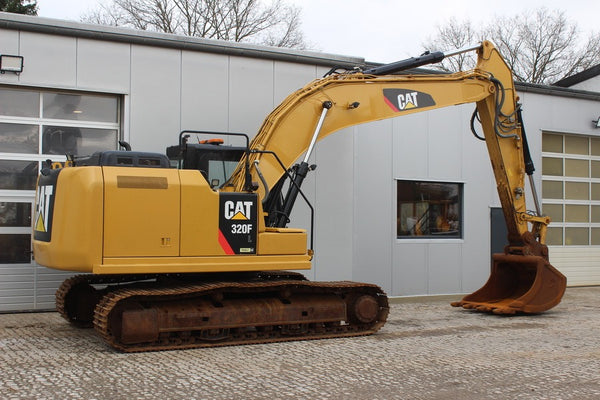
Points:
(163, 90)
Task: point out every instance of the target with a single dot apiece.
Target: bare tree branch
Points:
(540, 47)
(274, 23)
(289, 33)
(454, 35)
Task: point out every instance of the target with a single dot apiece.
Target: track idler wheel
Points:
(518, 284)
(366, 309)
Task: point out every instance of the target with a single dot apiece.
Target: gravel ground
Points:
(427, 350)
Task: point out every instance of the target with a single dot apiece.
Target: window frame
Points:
(41, 121)
(437, 238)
(564, 202)
(28, 195)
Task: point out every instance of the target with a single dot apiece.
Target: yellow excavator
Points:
(199, 255)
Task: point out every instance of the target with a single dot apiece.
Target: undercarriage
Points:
(164, 312)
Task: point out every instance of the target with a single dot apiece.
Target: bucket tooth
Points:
(504, 311)
(518, 284)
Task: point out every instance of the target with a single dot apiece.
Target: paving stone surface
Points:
(427, 350)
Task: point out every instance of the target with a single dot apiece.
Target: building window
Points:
(17, 248)
(36, 125)
(15, 214)
(18, 175)
(429, 209)
(571, 188)
(51, 123)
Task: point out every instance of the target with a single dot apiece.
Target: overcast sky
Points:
(382, 30)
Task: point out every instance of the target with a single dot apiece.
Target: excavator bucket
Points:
(518, 284)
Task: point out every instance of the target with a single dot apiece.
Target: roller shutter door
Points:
(571, 197)
(36, 125)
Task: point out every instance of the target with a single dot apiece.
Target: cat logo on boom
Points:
(405, 100)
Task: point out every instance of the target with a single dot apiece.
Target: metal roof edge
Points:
(557, 91)
(51, 26)
(579, 77)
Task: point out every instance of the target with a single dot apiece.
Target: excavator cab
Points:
(215, 160)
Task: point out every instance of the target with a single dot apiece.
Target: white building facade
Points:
(113, 84)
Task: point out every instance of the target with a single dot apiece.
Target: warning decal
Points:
(40, 225)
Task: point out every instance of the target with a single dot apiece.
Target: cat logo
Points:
(404, 100)
(238, 210)
(43, 209)
(238, 223)
(408, 100)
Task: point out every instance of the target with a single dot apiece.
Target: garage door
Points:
(571, 197)
(36, 125)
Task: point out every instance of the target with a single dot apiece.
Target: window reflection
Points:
(16, 248)
(77, 141)
(18, 175)
(19, 138)
(19, 103)
(429, 209)
(15, 214)
(80, 107)
(576, 236)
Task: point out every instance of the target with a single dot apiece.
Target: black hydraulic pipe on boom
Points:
(403, 65)
(529, 166)
(415, 62)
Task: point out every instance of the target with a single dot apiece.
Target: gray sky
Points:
(382, 30)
